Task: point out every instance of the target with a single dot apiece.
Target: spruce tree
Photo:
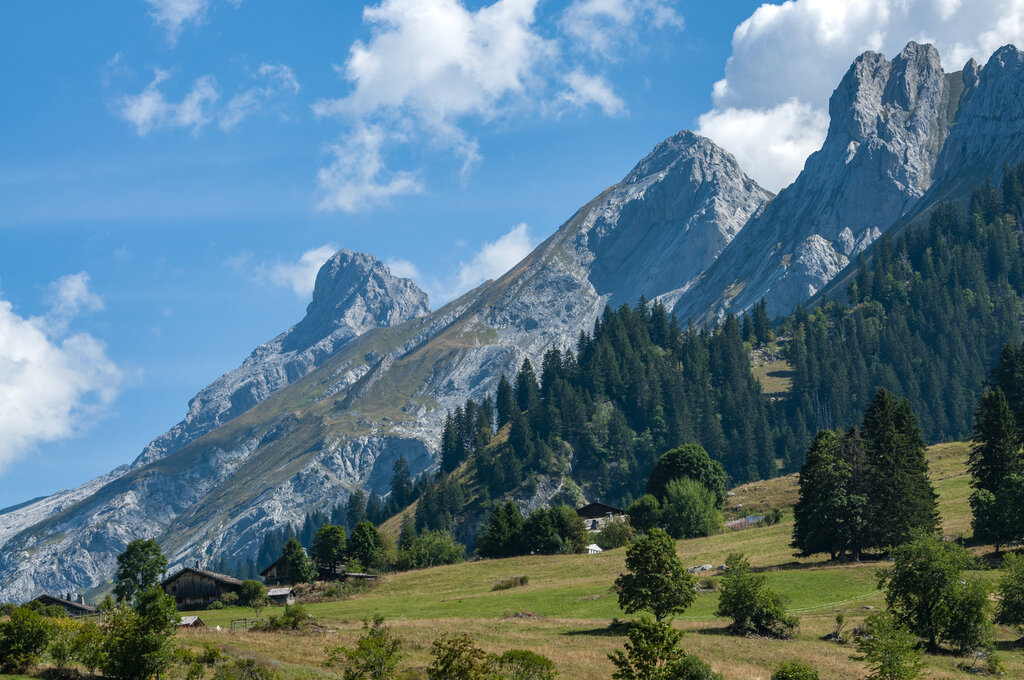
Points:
(997, 471)
(823, 501)
(900, 497)
(505, 401)
(401, 483)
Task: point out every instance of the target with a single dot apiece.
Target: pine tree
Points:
(401, 483)
(997, 470)
(296, 567)
(505, 401)
(355, 512)
(527, 391)
(901, 497)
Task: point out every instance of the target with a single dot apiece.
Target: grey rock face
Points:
(889, 121)
(354, 292)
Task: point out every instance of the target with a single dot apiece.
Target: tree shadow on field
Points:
(721, 631)
(616, 628)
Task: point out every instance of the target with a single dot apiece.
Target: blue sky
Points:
(172, 171)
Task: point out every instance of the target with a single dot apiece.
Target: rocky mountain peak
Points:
(354, 292)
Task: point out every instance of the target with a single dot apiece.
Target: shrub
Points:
(772, 517)
(7, 608)
(522, 664)
(229, 599)
(61, 647)
(246, 669)
(137, 641)
(794, 669)
(216, 604)
(375, 656)
(253, 594)
(210, 655)
(615, 533)
(746, 599)
(22, 640)
(88, 645)
(890, 648)
(689, 509)
(457, 657)
(1011, 592)
(510, 582)
(652, 653)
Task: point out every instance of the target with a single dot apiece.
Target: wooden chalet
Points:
(191, 622)
(272, 575)
(73, 604)
(595, 515)
(195, 588)
(281, 596)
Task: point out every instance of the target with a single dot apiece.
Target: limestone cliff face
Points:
(889, 122)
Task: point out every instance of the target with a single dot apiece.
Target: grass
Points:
(565, 609)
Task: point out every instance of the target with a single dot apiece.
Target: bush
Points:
(772, 517)
(7, 608)
(210, 655)
(430, 549)
(295, 617)
(510, 582)
(23, 638)
(522, 664)
(137, 642)
(216, 604)
(229, 599)
(61, 648)
(794, 669)
(375, 656)
(615, 533)
(652, 653)
(746, 599)
(689, 509)
(88, 646)
(1011, 592)
(457, 657)
(890, 648)
(645, 513)
(246, 669)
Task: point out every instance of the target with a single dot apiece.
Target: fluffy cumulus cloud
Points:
(490, 261)
(299, 275)
(788, 57)
(432, 67)
(150, 109)
(52, 384)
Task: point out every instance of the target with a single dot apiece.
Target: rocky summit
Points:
(369, 374)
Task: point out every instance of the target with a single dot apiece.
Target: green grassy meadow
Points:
(565, 610)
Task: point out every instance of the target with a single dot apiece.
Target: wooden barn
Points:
(271, 575)
(191, 622)
(195, 588)
(281, 596)
(73, 604)
(595, 515)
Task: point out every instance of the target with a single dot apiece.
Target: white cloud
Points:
(277, 80)
(584, 89)
(299, 275)
(356, 177)
(771, 144)
(151, 110)
(174, 14)
(800, 50)
(493, 259)
(433, 67)
(602, 26)
(51, 385)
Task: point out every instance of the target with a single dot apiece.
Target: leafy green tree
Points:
(88, 645)
(570, 527)
(1010, 611)
(997, 471)
(296, 567)
(615, 533)
(139, 567)
(366, 545)
(375, 656)
(795, 669)
(690, 509)
(745, 598)
(653, 653)
(430, 549)
(23, 638)
(645, 512)
(969, 616)
(522, 664)
(692, 461)
(901, 498)
(328, 551)
(61, 647)
(138, 645)
(890, 649)
(457, 657)
(253, 594)
(657, 582)
(921, 587)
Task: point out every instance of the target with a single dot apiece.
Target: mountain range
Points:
(369, 373)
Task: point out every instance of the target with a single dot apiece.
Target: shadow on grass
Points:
(717, 630)
(616, 628)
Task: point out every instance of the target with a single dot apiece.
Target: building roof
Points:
(272, 565)
(71, 604)
(280, 592)
(594, 548)
(596, 510)
(191, 621)
(220, 578)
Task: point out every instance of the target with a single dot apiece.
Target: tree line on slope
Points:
(925, 318)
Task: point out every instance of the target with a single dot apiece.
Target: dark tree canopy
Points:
(139, 567)
(687, 461)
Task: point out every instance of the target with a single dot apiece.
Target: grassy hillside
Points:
(565, 609)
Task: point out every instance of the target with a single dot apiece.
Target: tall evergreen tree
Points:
(997, 472)
(355, 511)
(401, 483)
(527, 390)
(901, 497)
(505, 401)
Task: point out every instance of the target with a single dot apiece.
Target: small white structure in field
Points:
(593, 549)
